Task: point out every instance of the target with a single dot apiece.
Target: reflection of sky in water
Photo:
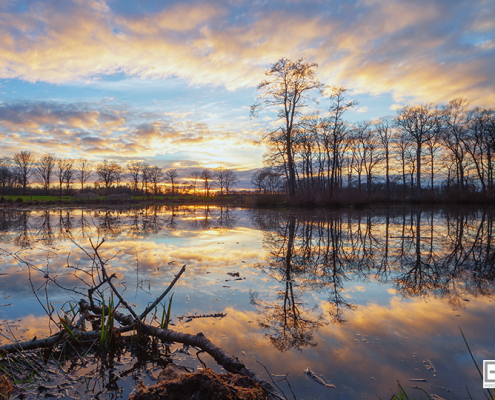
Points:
(366, 301)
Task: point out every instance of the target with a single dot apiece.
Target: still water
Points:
(363, 298)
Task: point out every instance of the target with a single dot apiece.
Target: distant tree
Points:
(266, 180)
(118, 174)
(456, 118)
(44, 170)
(287, 87)
(195, 175)
(106, 172)
(171, 176)
(336, 134)
(7, 174)
(24, 162)
(225, 179)
(85, 171)
(60, 170)
(145, 177)
(384, 131)
(207, 176)
(156, 176)
(134, 172)
(421, 123)
(69, 175)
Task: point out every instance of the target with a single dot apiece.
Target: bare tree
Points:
(145, 177)
(44, 171)
(195, 175)
(69, 175)
(24, 162)
(171, 176)
(7, 174)
(219, 178)
(106, 173)
(335, 134)
(85, 171)
(287, 88)
(134, 172)
(385, 134)
(118, 174)
(156, 176)
(207, 176)
(421, 123)
(455, 135)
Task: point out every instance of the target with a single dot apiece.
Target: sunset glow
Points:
(172, 84)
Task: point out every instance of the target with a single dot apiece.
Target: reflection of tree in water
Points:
(290, 323)
(225, 220)
(23, 239)
(462, 263)
(14, 226)
(109, 223)
(151, 221)
(207, 218)
(422, 254)
(45, 228)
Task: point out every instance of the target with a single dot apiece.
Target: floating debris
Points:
(318, 379)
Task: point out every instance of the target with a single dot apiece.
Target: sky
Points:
(171, 82)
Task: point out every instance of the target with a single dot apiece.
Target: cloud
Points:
(113, 131)
(362, 110)
(428, 50)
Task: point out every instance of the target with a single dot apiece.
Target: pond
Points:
(364, 298)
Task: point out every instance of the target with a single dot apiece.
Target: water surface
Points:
(363, 298)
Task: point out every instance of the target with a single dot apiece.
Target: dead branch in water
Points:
(74, 333)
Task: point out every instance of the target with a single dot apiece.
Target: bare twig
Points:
(105, 276)
(270, 375)
(153, 305)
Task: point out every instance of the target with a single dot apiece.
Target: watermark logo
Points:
(488, 374)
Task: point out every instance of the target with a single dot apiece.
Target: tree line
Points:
(446, 147)
(49, 174)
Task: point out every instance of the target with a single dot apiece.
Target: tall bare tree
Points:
(69, 175)
(335, 134)
(7, 174)
(287, 88)
(421, 123)
(156, 177)
(171, 176)
(195, 176)
(106, 172)
(207, 176)
(134, 172)
(384, 131)
(85, 172)
(145, 177)
(24, 162)
(44, 170)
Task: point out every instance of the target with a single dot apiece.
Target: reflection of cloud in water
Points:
(397, 278)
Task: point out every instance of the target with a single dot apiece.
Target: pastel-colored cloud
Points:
(428, 50)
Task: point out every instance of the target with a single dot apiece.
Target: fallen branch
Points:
(231, 364)
(52, 341)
